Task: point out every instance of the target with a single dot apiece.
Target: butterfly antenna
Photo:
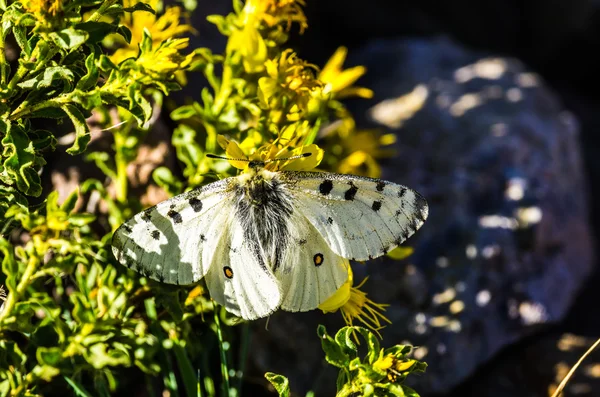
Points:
(300, 156)
(214, 156)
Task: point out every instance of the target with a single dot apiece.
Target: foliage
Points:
(380, 373)
(74, 321)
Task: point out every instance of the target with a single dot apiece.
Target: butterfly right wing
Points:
(167, 242)
(360, 218)
(310, 271)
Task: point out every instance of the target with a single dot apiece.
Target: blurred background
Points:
(495, 107)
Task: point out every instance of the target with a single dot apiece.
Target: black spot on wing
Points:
(402, 192)
(420, 205)
(302, 242)
(380, 186)
(325, 187)
(330, 220)
(350, 193)
(155, 234)
(376, 205)
(127, 228)
(202, 237)
(196, 204)
(176, 216)
(147, 215)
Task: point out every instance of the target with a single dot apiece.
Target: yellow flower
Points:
(43, 7)
(166, 58)
(362, 149)
(354, 305)
(251, 46)
(276, 12)
(288, 87)
(391, 365)
(275, 157)
(160, 28)
(339, 82)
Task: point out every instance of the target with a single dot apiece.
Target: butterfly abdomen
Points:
(263, 209)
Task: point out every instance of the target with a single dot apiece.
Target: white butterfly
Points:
(266, 240)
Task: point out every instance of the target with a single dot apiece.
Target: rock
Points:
(507, 244)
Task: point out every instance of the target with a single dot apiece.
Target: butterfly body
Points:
(265, 240)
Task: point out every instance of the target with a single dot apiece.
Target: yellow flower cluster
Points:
(160, 28)
(43, 7)
(288, 87)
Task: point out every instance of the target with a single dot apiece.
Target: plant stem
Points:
(57, 102)
(3, 63)
(95, 17)
(562, 384)
(224, 369)
(121, 164)
(243, 356)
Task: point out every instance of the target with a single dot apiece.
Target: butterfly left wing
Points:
(167, 242)
(310, 272)
(238, 277)
(360, 218)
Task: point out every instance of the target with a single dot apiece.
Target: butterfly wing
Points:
(360, 218)
(238, 277)
(310, 271)
(167, 242)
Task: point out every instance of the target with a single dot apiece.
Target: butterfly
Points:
(266, 240)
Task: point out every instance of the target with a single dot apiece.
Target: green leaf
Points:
(280, 383)
(186, 370)
(10, 267)
(46, 78)
(70, 38)
(140, 7)
(20, 163)
(42, 140)
(105, 64)
(90, 79)
(146, 44)
(82, 131)
(20, 33)
(96, 31)
(77, 387)
(79, 220)
(69, 204)
(125, 32)
(185, 112)
(51, 356)
(334, 354)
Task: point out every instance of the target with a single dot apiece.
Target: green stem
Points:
(224, 369)
(14, 296)
(23, 111)
(224, 90)
(243, 356)
(121, 164)
(3, 63)
(95, 17)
